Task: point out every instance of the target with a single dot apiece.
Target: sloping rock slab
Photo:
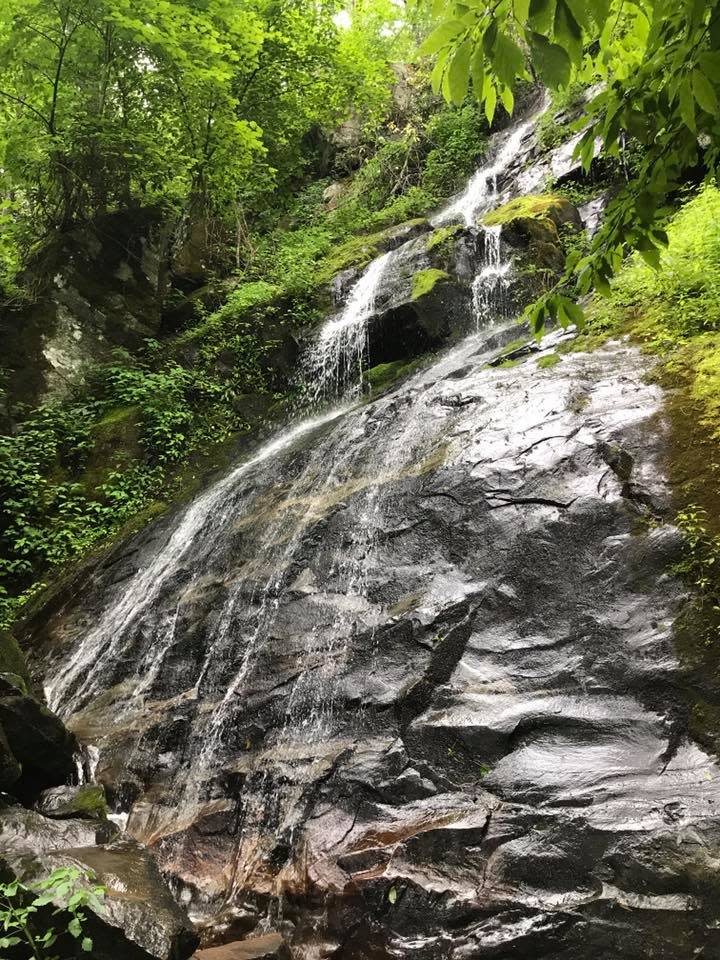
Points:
(269, 946)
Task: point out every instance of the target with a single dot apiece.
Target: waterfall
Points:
(491, 283)
(208, 514)
(482, 193)
(332, 364)
(254, 525)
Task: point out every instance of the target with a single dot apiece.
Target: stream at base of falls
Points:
(402, 684)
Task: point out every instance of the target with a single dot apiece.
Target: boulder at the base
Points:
(39, 741)
(26, 832)
(86, 801)
(36, 749)
(271, 946)
(140, 919)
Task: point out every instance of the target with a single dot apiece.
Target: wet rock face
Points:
(408, 688)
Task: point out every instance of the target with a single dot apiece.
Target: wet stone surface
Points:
(407, 687)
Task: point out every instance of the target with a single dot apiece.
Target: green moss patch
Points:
(546, 362)
(533, 206)
(385, 375)
(425, 281)
(441, 242)
(12, 662)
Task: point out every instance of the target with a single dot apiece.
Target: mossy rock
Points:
(13, 669)
(425, 281)
(10, 769)
(535, 225)
(63, 803)
(384, 375)
(116, 447)
(360, 251)
(440, 244)
(39, 741)
(536, 207)
(548, 361)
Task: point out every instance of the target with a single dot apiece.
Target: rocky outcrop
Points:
(425, 703)
(36, 750)
(94, 289)
(537, 225)
(69, 827)
(86, 801)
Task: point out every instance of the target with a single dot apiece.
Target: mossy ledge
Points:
(425, 281)
(547, 206)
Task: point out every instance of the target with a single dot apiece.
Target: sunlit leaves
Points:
(659, 63)
(551, 60)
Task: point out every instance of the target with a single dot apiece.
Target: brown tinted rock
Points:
(268, 947)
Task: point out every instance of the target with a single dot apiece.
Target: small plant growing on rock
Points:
(22, 924)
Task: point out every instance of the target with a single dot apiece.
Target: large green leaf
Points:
(508, 59)
(567, 31)
(441, 35)
(704, 92)
(459, 72)
(540, 16)
(552, 61)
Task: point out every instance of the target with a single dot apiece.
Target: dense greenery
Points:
(204, 105)
(657, 65)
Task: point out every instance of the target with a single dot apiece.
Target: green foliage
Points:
(701, 560)
(682, 298)
(80, 469)
(659, 63)
(549, 132)
(24, 922)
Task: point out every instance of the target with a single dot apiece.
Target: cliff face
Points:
(408, 685)
(92, 290)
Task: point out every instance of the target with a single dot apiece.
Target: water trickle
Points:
(196, 531)
(491, 284)
(333, 363)
(482, 192)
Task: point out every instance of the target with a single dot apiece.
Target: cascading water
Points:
(482, 192)
(391, 666)
(332, 365)
(492, 280)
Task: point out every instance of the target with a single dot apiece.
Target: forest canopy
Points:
(198, 104)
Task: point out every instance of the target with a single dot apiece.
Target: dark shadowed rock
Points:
(10, 769)
(40, 743)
